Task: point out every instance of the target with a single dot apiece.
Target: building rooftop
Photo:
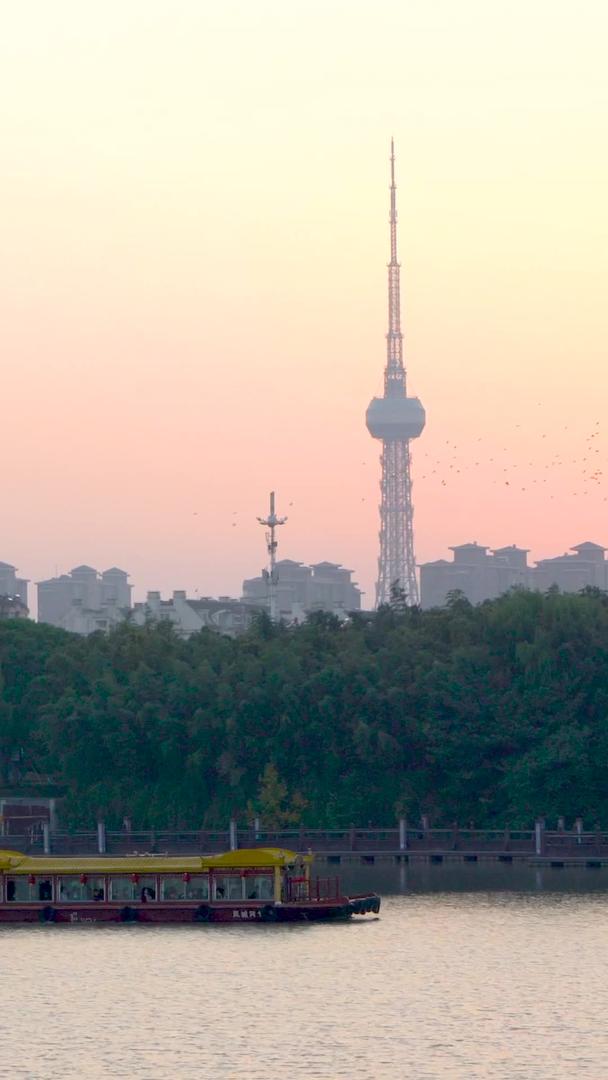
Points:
(210, 602)
(331, 566)
(509, 548)
(472, 546)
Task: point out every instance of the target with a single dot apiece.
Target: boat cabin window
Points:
(174, 887)
(28, 890)
(259, 887)
(228, 887)
(45, 888)
(81, 887)
(198, 887)
(140, 887)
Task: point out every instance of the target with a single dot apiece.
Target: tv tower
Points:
(272, 544)
(395, 418)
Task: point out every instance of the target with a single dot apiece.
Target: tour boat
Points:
(256, 885)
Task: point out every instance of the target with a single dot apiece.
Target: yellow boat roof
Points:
(14, 862)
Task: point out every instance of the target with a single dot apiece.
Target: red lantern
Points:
(83, 879)
(31, 880)
(186, 877)
(135, 878)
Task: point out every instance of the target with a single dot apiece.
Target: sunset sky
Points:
(193, 278)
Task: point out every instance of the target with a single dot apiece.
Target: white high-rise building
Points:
(301, 589)
(10, 584)
(480, 573)
(84, 600)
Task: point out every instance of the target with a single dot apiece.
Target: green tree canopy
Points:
(496, 713)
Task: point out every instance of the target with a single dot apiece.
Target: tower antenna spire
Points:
(271, 522)
(395, 419)
(393, 217)
(394, 374)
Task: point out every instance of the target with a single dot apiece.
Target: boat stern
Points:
(368, 904)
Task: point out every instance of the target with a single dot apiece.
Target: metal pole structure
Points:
(53, 815)
(271, 523)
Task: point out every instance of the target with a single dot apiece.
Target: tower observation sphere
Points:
(395, 419)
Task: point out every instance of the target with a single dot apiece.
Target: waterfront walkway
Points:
(537, 846)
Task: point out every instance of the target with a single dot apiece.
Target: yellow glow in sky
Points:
(193, 277)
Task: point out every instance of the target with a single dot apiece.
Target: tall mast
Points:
(271, 522)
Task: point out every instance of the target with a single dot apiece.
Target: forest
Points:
(493, 714)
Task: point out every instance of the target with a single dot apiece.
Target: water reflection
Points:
(425, 877)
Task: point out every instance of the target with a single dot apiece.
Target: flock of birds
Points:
(581, 463)
(461, 460)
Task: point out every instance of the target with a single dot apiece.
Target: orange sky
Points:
(193, 285)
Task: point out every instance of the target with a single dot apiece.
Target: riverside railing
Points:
(398, 840)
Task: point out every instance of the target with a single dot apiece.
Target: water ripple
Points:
(443, 985)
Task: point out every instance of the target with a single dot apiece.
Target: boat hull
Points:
(184, 912)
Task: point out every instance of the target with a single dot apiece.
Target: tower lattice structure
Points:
(396, 419)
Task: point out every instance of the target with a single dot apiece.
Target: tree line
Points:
(493, 714)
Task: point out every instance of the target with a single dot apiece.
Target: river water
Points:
(469, 972)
